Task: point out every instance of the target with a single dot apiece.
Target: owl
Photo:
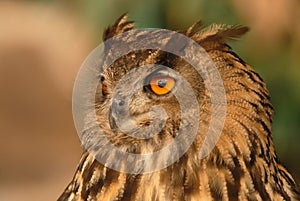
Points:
(242, 163)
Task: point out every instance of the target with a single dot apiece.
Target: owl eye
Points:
(161, 85)
(104, 86)
(104, 89)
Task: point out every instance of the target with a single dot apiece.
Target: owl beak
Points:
(112, 122)
(116, 112)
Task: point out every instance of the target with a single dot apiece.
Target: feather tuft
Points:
(121, 25)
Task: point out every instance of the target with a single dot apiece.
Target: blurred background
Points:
(44, 42)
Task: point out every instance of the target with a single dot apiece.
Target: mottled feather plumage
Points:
(242, 166)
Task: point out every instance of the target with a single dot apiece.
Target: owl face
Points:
(149, 101)
(143, 101)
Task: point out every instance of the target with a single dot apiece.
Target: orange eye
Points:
(104, 89)
(104, 86)
(162, 85)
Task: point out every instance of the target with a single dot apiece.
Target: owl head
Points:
(160, 95)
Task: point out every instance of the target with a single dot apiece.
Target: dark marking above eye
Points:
(102, 78)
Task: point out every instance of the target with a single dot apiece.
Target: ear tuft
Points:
(219, 33)
(194, 29)
(120, 26)
(229, 33)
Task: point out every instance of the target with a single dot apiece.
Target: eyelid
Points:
(163, 72)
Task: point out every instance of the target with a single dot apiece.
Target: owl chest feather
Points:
(184, 180)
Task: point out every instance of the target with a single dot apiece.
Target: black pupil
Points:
(162, 83)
